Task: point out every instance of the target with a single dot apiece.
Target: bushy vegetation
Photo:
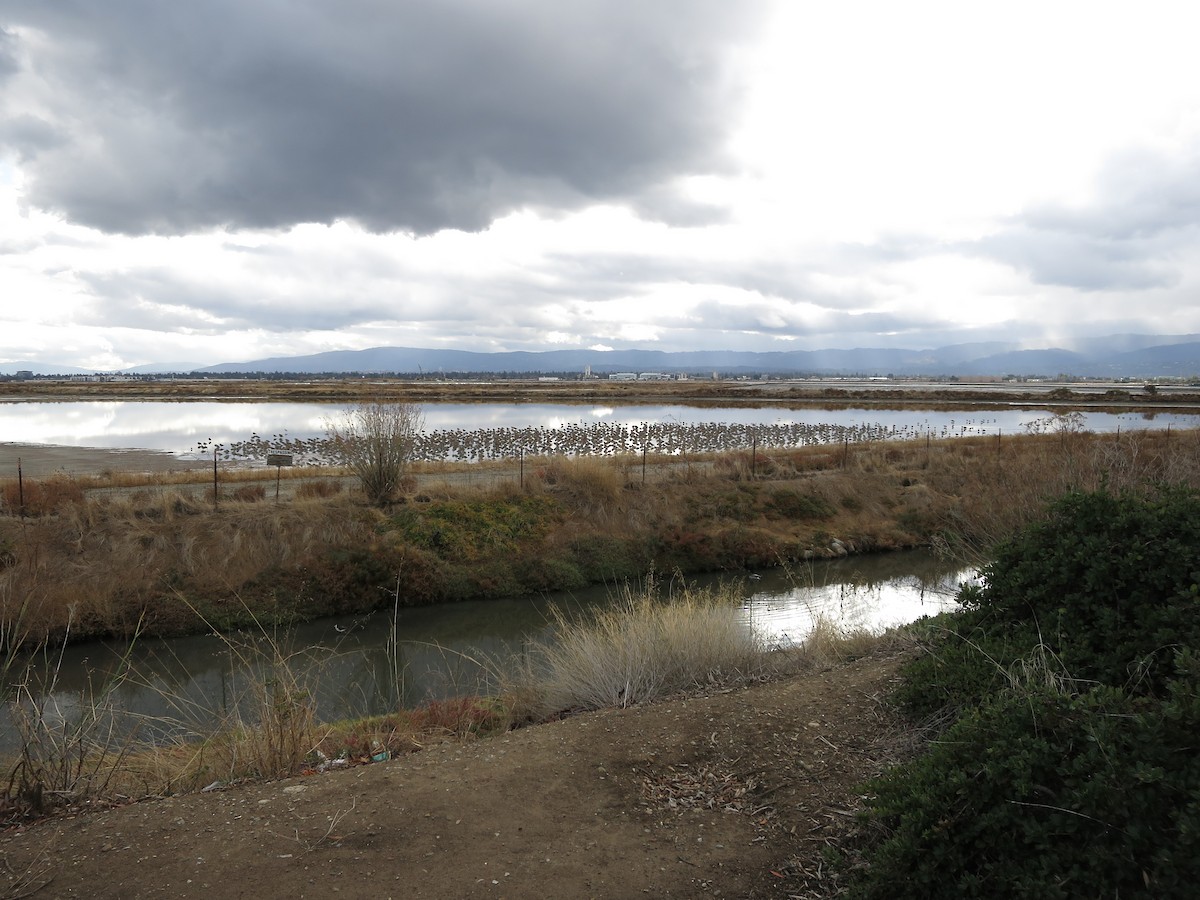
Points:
(1072, 681)
(376, 441)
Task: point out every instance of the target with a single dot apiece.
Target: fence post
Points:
(645, 450)
(214, 477)
(20, 489)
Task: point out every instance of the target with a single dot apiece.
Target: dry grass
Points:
(636, 650)
(590, 484)
(110, 558)
(113, 557)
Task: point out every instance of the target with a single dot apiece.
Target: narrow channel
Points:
(365, 665)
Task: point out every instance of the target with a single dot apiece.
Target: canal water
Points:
(371, 664)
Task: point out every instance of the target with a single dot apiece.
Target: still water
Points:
(177, 427)
(366, 665)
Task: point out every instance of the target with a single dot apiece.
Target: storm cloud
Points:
(136, 116)
(238, 179)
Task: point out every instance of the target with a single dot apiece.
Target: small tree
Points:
(376, 441)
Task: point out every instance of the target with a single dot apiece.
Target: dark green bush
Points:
(1037, 794)
(1073, 674)
(1108, 581)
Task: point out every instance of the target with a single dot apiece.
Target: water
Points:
(177, 427)
(445, 650)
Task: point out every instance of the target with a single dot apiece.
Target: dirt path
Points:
(730, 795)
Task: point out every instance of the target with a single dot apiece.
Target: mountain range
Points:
(1114, 356)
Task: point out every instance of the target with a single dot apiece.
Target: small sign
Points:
(279, 459)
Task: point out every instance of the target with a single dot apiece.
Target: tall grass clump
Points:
(266, 725)
(589, 484)
(69, 748)
(640, 648)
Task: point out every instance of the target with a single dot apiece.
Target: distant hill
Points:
(1118, 356)
(1115, 356)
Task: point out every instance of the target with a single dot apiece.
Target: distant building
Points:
(24, 373)
(623, 376)
(653, 376)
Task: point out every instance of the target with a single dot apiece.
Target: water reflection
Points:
(176, 427)
(366, 664)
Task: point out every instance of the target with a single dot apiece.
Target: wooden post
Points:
(753, 454)
(645, 450)
(522, 469)
(20, 489)
(214, 477)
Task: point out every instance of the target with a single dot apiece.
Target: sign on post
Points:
(278, 460)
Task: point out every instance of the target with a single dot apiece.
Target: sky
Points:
(227, 180)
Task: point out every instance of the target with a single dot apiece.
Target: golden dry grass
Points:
(108, 558)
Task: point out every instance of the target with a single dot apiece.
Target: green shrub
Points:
(1071, 769)
(1039, 794)
(1109, 582)
(470, 530)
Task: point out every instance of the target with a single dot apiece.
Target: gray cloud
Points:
(1146, 209)
(8, 54)
(1078, 260)
(167, 118)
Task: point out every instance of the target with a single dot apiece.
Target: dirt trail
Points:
(735, 794)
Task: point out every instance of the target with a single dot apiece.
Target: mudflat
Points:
(42, 460)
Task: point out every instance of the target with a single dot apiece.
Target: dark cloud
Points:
(30, 136)
(402, 115)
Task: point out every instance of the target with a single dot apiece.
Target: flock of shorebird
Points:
(599, 439)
